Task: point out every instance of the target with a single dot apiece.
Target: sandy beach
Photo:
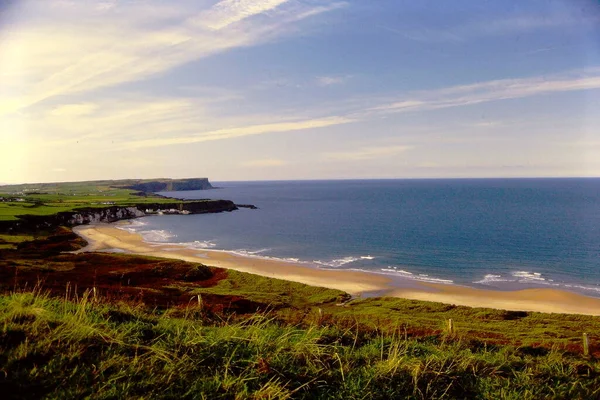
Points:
(108, 237)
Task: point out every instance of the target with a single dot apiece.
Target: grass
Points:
(163, 283)
(51, 198)
(11, 241)
(220, 334)
(82, 346)
(274, 292)
(123, 326)
(485, 325)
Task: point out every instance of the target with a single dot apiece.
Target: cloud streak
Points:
(227, 12)
(495, 90)
(497, 26)
(264, 163)
(330, 80)
(230, 133)
(77, 49)
(368, 153)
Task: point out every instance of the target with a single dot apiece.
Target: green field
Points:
(78, 347)
(124, 326)
(51, 198)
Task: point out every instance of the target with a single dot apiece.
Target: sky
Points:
(298, 89)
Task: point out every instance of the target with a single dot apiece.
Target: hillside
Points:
(126, 326)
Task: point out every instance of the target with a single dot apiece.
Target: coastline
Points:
(107, 237)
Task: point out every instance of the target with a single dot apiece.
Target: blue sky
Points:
(298, 89)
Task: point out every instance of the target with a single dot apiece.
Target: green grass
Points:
(11, 241)
(51, 198)
(273, 292)
(86, 340)
(487, 325)
(85, 347)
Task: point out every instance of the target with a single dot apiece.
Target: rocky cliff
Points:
(169, 185)
(34, 223)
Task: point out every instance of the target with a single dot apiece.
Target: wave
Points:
(415, 277)
(582, 287)
(529, 278)
(157, 235)
(491, 278)
(256, 254)
(248, 253)
(508, 281)
(198, 244)
(132, 226)
(340, 262)
(517, 277)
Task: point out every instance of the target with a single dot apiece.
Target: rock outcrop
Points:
(168, 185)
(82, 216)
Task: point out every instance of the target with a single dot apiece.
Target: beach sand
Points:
(108, 237)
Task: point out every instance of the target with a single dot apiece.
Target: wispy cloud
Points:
(316, 10)
(367, 153)
(73, 110)
(227, 12)
(75, 48)
(502, 89)
(229, 133)
(265, 163)
(485, 26)
(329, 80)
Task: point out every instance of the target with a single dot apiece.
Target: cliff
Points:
(34, 223)
(168, 185)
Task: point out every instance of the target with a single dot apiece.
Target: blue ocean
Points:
(501, 234)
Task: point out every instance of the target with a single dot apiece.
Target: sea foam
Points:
(415, 277)
(340, 262)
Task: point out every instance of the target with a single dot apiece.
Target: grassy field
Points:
(123, 326)
(51, 198)
(83, 346)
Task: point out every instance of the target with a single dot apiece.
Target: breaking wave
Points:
(416, 277)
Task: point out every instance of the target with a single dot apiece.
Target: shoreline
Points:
(102, 237)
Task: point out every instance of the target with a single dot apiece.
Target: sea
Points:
(501, 234)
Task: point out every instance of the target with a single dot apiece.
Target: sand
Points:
(108, 237)
(105, 236)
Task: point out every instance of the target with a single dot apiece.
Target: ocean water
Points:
(493, 233)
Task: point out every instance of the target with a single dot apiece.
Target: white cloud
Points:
(227, 12)
(486, 124)
(485, 26)
(503, 89)
(267, 162)
(74, 48)
(228, 133)
(368, 153)
(332, 80)
(106, 5)
(73, 110)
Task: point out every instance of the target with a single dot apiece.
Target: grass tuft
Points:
(82, 346)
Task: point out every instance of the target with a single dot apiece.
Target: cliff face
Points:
(29, 223)
(170, 185)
